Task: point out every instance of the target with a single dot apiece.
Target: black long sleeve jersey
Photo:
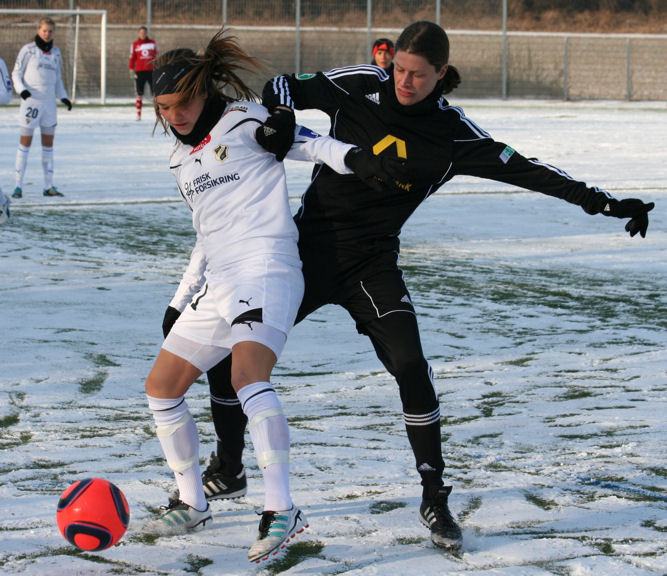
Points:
(437, 140)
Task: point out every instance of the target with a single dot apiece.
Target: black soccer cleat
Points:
(435, 515)
(53, 191)
(218, 486)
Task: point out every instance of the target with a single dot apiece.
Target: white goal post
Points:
(75, 51)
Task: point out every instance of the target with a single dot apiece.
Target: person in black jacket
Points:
(349, 228)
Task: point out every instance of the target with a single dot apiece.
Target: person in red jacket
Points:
(142, 53)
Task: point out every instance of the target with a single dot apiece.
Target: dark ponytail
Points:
(451, 79)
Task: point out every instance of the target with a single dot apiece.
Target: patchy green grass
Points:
(295, 553)
(543, 503)
(407, 541)
(101, 360)
(94, 383)
(653, 525)
(196, 563)
(9, 420)
(605, 546)
(575, 393)
(523, 361)
(382, 506)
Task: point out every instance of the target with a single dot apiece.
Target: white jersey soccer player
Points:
(5, 97)
(247, 268)
(38, 80)
(5, 84)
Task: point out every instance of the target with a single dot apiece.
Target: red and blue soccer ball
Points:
(93, 514)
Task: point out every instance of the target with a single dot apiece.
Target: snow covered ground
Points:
(546, 329)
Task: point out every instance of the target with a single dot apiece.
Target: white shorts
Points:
(255, 301)
(35, 112)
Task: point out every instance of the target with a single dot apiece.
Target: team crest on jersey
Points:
(305, 76)
(221, 152)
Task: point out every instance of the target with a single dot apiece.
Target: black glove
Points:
(67, 103)
(170, 317)
(25, 94)
(630, 208)
(379, 172)
(276, 135)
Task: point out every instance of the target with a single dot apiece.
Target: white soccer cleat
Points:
(179, 518)
(276, 529)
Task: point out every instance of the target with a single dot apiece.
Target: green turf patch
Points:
(295, 553)
(383, 506)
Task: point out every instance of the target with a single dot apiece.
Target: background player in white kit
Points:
(38, 80)
(5, 97)
(243, 286)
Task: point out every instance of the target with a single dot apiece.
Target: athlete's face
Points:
(142, 34)
(414, 77)
(181, 118)
(383, 58)
(45, 32)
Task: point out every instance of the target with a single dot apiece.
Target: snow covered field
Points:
(546, 329)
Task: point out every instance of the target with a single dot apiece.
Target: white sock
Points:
(21, 163)
(47, 166)
(270, 438)
(177, 432)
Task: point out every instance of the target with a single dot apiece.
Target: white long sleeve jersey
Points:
(5, 84)
(39, 72)
(237, 192)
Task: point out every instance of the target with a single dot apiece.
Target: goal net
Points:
(81, 36)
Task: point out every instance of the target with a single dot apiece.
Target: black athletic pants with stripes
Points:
(374, 293)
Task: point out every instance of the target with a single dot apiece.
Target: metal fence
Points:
(305, 36)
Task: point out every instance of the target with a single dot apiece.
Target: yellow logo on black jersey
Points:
(221, 152)
(387, 141)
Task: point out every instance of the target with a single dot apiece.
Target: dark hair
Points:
(143, 28)
(429, 40)
(211, 72)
